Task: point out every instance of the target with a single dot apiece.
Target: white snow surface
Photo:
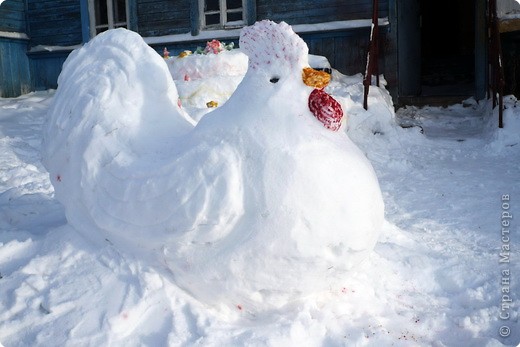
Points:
(433, 279)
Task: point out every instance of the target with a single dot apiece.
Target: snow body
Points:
(257, 204)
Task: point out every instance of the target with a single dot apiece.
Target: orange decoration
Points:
(184, 54)
(211, 104)
(315, 78)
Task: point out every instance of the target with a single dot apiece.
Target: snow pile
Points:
(204, 66)
(258, 204)
(201, 78)
(508, 137)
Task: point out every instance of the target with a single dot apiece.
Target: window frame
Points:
(223, 11)
(93, 26)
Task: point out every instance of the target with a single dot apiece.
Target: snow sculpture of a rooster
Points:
(255, 205)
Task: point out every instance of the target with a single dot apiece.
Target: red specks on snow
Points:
(239, 307)
(326, 109)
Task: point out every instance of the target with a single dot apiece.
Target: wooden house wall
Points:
(15, 77)
(51, 23)
(312, 11)
(346, 49)
(163, 17)
(12, 16)
(45, 69)
(54, 22)
(14, 64)
(166, 17)
(58, 23)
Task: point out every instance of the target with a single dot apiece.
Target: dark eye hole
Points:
(274, 79)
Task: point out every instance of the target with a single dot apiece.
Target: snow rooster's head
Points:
(277, 55)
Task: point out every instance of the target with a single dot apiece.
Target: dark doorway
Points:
(447, 47)
(441, 50)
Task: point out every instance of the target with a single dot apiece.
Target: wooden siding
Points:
(54, 22)
(346, 50)
(45, 69)
(12, 16)
(312, 11)
(164, 17)
(14, 68)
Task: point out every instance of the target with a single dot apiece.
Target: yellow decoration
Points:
(211, 104)
(184, 54)
(315, 78)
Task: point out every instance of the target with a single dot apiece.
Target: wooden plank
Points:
(312, 17)
(194, 17)
(409, 45)
(45, 69)
(346, 50)
(13, 5)
(39, 5)
(162, 32)
(289, 6)
(251, 12)
(72, 16)
(56, 22)
(85, 21)
(481, 61)
(341, 48)
(133, 23)
(3, 78)
(164, 16)
(12, 16)
(509, 25)
(308, 12)
(14, 68)
(57, 40)
(174, 9)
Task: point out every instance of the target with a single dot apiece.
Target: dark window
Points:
(221, 14)
(107, 14)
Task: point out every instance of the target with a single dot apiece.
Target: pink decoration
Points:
(213, 46)
(326, 109)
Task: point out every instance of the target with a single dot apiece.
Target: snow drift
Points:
(257, 204)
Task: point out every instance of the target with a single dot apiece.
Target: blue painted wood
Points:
(194, 17)
(311, 11)
(409, 48)
(45, 69)
(480, 50)
(14, 68)
(12, 16)
(85, 21)
(55, 22)
(163, 17)
(345, 49)
(133, 19)
(389, 47)
(251, 14)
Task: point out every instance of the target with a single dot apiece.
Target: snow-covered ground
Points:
(435, 277)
